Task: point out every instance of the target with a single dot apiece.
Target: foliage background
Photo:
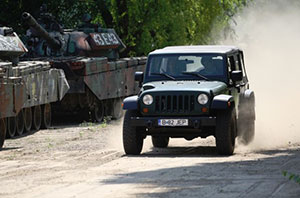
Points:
(143, 25)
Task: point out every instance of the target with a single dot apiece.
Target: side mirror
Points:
(236, 76)
(139, 76)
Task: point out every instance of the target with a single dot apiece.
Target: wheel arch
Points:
(130, 103)
(222, 101)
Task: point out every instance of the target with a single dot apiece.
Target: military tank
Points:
(27, 88)
(89, 55)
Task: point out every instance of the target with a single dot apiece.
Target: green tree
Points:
(143, 25)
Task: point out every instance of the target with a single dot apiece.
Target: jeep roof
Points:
(220, 49)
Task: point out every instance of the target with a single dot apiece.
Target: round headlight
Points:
(147, 99)
(202, 99)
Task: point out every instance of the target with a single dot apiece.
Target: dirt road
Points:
(88, 161)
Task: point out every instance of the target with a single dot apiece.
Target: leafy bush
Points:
(292, 176)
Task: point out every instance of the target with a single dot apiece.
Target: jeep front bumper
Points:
(193, 122)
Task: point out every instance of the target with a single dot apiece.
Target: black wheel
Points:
(46, 116)
(37, 117)
(27, 119)
(246, 129)
(226, 131)
(2, 131)
(246, 122)
(117, 111)
(11, 127)
(132, 140)
(98, 112)
(160, 142)
(20, 123)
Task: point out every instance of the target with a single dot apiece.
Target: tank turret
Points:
(89, 40)
(11, 47)
(89, 57)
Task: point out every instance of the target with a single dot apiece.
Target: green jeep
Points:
(189, 92)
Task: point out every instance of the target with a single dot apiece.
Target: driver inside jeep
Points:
(211, 66)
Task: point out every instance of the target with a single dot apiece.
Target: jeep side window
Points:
(231, 64)
(240, 58)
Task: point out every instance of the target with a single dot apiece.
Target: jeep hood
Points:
(204, 86)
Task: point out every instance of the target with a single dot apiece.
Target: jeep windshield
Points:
(186, 67)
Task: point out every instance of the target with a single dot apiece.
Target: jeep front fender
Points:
(130, 103)
(222, 102)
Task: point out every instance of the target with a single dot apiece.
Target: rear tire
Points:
(11, 127)
(160, 142)
(226, 131)
(2, 131)
(132, 140)
(246, 131)
(246, 122)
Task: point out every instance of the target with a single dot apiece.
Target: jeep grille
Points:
(174, 103)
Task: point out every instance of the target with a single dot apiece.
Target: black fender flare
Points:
(222, 101)
(130, 103)
(249, 95)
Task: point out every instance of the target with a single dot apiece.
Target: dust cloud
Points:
(269, 33)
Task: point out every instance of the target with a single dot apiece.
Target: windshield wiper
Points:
(196, 74)
(164, 74)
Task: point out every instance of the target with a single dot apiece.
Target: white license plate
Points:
(173, 122)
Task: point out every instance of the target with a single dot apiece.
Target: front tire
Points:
(132, 140)
(160, 142)
(226, 131)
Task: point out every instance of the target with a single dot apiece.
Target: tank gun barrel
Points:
(52, 42)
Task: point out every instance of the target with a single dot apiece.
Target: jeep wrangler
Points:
(189, 92)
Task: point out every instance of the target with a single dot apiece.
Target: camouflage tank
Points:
(89, 56)
(27, 88)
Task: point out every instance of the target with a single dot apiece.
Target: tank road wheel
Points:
(27, 119)
(11, 127)
(20, 123)
(37, 117)
(117, 110)
(84, 115)
(132, 140)
(98, 112)
(2, 131)
(226, 131)
(46, 116)
(160, 142)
